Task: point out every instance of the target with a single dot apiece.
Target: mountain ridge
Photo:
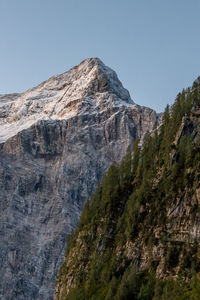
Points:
(89, 85)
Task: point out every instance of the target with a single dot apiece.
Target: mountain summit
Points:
(90, 86)
(57, 141)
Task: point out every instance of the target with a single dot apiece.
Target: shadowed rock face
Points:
(48, 169)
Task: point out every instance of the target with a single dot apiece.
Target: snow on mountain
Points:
(86, 88)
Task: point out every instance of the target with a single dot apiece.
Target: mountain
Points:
(87, 88)
(57, 141)
(139, 234)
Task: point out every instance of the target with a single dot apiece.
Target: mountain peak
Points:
(91, 86)
(98, 78)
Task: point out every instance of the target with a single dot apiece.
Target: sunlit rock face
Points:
(57, 141)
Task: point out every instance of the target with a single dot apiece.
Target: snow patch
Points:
(62, 97)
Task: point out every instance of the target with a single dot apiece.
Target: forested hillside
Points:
(139, 235)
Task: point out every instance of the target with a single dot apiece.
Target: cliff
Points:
(57, 141)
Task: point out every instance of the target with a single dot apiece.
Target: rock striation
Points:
(57, 141)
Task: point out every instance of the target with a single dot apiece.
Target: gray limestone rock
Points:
(66, 133)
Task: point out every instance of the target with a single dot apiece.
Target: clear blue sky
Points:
(153, 45)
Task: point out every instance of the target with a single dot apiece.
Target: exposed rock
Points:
(58, 140)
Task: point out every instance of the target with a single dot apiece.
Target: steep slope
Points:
(139, 234)
(58, 139)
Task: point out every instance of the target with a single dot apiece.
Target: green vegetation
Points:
(133, 214)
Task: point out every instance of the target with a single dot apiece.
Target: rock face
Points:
(57, 141)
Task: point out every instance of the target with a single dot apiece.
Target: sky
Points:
(153, 45)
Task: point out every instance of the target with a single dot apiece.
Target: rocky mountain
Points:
(139, 234)
(57, 141)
